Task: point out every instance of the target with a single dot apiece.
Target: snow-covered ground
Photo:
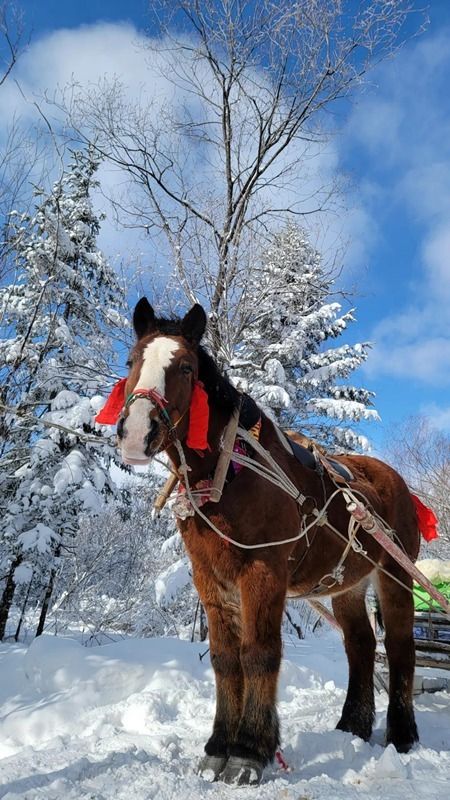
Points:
(129, 720)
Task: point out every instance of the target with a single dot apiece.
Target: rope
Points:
(375, 563)
(285, 482)
(337, 573)
(279, 478)
(184, 469)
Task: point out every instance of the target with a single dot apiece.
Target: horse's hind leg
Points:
(359, 707)
(397, 608)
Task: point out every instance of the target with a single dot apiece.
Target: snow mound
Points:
(130, 719)
(39, 538)
(434, 569)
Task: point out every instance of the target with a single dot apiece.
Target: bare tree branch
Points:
(11, 37)
(422, 454)
(214, 168)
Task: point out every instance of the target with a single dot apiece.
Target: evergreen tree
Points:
(55, 355)
(285, 359)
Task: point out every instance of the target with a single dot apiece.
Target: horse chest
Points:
(210, 553)
(231, 598)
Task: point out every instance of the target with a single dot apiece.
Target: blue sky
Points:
(394, 147)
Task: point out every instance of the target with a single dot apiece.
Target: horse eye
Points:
(129, 363)
(186, 369)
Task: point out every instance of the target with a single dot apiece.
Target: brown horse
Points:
(244, 591)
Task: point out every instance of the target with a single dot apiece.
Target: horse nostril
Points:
(152, 433)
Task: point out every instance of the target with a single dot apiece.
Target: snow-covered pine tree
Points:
(285, 359)
(55, 355)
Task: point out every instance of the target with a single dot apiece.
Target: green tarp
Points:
(422, 599)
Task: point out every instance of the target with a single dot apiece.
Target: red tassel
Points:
(110, 412)
(197, 438)
(426, 520)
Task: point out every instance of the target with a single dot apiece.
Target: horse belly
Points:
(321, 579)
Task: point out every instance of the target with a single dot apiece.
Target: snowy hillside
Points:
(129, 720)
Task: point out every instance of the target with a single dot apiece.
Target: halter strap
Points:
(154, 396)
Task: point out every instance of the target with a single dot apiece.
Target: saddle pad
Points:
(302, 454)
(333, 466)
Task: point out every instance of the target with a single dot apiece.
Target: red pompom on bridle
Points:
(113, 407)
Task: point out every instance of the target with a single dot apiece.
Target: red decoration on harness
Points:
(110, 412)
(197, 438)
(281, 760)
(426, 520)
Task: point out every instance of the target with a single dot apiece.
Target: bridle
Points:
(160, 402)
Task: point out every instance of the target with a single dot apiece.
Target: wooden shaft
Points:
(165, 493)
(325, 613)
(223, 463)
(372, 526)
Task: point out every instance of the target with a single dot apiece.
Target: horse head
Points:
(163, 371)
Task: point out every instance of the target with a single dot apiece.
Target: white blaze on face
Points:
(157, 357)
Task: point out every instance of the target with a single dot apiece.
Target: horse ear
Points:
(143, 318)
(193, 324)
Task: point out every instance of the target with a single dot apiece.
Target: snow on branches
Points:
(56, 354)
(284, 359)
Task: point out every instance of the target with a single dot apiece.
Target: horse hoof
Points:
(210, 767)
(402, 734)
(360, 727)
(242, 771)
(402, 744)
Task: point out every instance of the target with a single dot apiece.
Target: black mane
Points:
(221, 391)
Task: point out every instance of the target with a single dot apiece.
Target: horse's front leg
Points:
(224, 642)
(257, 737)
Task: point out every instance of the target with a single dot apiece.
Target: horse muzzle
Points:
(138, 444)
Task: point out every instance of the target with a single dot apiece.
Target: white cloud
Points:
(425, 187)
(436, 256)
(426, 359)
(85, 54)
(405, 131)
(376, 124)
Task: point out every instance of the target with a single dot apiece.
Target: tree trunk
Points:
(46, 602)
(8, 595)
(48, 594)
(22, 613)
(297, 628)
